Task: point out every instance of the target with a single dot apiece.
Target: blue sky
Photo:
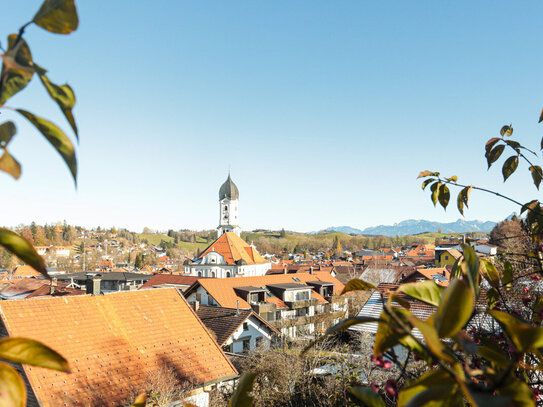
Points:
(324, 111)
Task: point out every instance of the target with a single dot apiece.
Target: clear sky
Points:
(325, 111)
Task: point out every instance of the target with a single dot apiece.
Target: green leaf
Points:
(339, 327)
(494, 154)
(489, 272)
(515, 145)
(12, 387)
(430, 380)
(492, 297)
(455, 308)
(57, 16)
(497, 357)
(428, 173)
(7, 131)
(431, 338)
(367, 395)
(241, 396)
(444, 196)
(357, 285)
(506, 131)
(426, 182)
(15, 80)
(57, 138)
(435, 192)
(426, 291)
(519, 392)
(65, 98)
(491, 143)
(140, 401)
(10, 165)
(470, 267)
(31, 352)
(507, 276)
(536, 174)
(509, 167)
(22, 248)
(523, 336)
(463, 197)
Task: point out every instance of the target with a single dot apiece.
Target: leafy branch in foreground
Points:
(18, 69)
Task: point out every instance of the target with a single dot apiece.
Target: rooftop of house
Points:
(106, 276)
(223, 289)
(169, 279)
(225, 321)
(114, 344)
(234, 250)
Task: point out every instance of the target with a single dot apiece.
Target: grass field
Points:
(154, 239)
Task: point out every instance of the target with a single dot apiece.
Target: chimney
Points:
(311, 270)
(52, 286)
(444, 274)
(285, 270)
(196, 306)
(237, 309)
(93, 283)
(464, 239)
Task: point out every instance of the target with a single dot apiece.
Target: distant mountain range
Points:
(414, 227)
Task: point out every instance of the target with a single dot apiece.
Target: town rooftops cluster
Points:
(227, 292)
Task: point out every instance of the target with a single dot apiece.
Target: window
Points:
(302, 295)
(258, 341)
(246, 345)
(245, 326)
(301, 312)
(213, 274)
(199, 274)
(225, 207)
(227, 348)
(277, 315)
(296, 279)
(227, 274)
(446, 257)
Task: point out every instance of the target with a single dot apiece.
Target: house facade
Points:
(237, 331)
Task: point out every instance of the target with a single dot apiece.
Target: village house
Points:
(117, 346)
(236, 330)
(106, 282)
(295, 304)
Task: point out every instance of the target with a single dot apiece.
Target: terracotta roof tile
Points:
(234, 248)
(113, 343)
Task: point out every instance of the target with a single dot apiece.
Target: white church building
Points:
(229, 255)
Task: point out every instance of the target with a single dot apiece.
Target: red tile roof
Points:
(114, 343)
(233, 248)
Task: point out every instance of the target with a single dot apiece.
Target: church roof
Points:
(234, 249)
(228, 190)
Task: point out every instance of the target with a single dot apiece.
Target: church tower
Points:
(228, 204)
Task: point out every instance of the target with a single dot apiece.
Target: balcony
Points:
(262, 307)
(302, 303)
